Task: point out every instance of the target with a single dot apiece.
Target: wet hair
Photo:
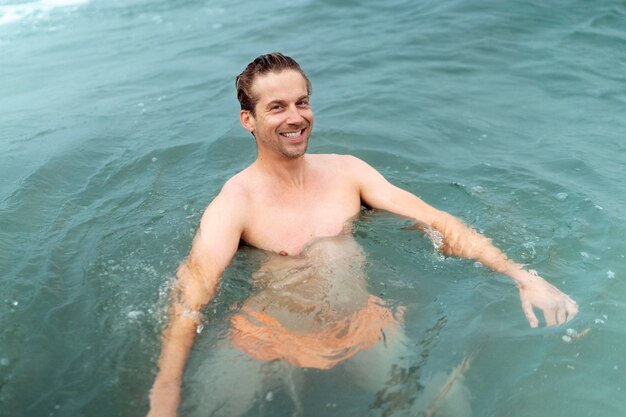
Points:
(264, 64)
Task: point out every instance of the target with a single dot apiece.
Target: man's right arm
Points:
(197, 279)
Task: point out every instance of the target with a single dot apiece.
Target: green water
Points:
(118, 125)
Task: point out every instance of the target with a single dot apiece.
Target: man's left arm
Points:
(454, 238)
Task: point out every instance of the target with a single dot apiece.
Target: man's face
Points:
(283, 117)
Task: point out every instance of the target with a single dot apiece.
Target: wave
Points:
(17, 12)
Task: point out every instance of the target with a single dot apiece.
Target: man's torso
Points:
(285, 220)
(311, 305)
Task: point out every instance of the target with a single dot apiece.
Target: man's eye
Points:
(276, 107)
(303, 103)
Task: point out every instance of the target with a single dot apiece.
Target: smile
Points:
(292, 135)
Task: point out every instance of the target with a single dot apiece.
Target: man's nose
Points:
(293, 115)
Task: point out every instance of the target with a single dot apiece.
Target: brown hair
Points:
(264, 64)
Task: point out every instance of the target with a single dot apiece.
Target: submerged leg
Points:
(447, 394)
(371, 368)
(444, 395)
(282, 382)
(231, 383)
(226, 384)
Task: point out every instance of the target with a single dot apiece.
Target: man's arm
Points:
(197, 279)
(457, 239)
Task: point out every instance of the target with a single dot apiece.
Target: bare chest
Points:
(286, 222)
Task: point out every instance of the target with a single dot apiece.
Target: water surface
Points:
(119, 125)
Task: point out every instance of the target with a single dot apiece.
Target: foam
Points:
(17, 12)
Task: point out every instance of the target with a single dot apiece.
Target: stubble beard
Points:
(284, 148)
(294, 153)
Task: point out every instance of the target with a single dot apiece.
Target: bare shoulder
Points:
(345, 163)
(220, 230)
(229, 207)
(349, 167)
(236, 189)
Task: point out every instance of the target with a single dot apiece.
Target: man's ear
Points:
(247, 120)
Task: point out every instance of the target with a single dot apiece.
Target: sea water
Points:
(118, 125)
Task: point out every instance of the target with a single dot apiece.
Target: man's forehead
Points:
(274, 85)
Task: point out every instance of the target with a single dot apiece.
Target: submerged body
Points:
(325, 281)
(310, 311)
(313, 310)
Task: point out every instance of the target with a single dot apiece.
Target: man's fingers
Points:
(572, 310)
(550, 316)
(527, 307)
(561, 314)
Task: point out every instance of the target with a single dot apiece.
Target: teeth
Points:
(292, 134)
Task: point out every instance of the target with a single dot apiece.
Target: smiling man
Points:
(310, 308)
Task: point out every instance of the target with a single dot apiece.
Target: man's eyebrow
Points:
(283, 102)
(277, 101)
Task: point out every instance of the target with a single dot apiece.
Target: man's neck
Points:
(290, 173)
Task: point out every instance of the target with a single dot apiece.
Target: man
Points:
(298, 208)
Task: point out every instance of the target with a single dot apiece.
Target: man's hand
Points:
(535, 292)
(164, 399)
